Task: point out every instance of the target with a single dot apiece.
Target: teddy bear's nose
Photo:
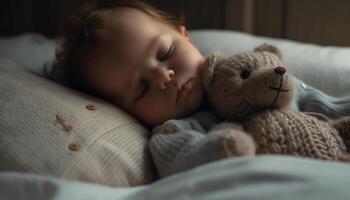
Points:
(280, 70)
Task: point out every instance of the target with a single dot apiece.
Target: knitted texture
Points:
(291, 132)
(52, 130)
(235, 98)
(343, 127)
(256, 89)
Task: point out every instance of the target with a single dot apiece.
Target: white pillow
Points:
(31, 50)
(49, 129)
(326, 68)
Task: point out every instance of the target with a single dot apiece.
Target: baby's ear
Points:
(271, 49)
(209, 66)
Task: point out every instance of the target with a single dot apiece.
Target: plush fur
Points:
(255, 89)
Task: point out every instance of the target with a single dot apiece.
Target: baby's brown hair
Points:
(85, 28)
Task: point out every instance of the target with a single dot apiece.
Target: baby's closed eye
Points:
(166, 54)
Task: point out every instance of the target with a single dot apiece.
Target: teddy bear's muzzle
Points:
(280, 70)
(281, 86)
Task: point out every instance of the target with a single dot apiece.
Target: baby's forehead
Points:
(129, 27)
(126, 20)
(130, 34)
(132, 40)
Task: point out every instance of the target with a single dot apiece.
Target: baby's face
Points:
(149, 68)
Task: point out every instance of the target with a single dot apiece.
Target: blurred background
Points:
(325, 22)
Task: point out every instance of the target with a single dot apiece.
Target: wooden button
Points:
(74, 146)
(90, 107)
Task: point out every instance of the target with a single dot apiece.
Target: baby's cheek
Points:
(190, 58)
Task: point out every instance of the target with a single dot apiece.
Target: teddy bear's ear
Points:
(271, 49)
(208, 68)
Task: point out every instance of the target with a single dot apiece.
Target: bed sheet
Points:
(262, 177)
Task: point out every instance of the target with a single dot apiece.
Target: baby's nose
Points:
(162, 76)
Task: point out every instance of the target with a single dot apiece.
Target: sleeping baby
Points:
(143, 60)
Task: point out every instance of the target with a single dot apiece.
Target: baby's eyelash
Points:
(168, 53)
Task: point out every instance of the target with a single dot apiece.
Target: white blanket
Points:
(264, 177)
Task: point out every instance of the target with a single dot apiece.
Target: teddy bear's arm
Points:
(235, 140)
(227, 125)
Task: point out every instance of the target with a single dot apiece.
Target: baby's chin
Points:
(177, 113)
(152, 122)
(158, 117)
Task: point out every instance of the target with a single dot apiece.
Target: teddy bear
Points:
(254, 93)
(256, 90)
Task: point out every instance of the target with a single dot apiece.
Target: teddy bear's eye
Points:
(245, 73)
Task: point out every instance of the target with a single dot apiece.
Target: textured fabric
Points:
(52, 130)
(290, 132)
(179, 145)
(310, 99)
